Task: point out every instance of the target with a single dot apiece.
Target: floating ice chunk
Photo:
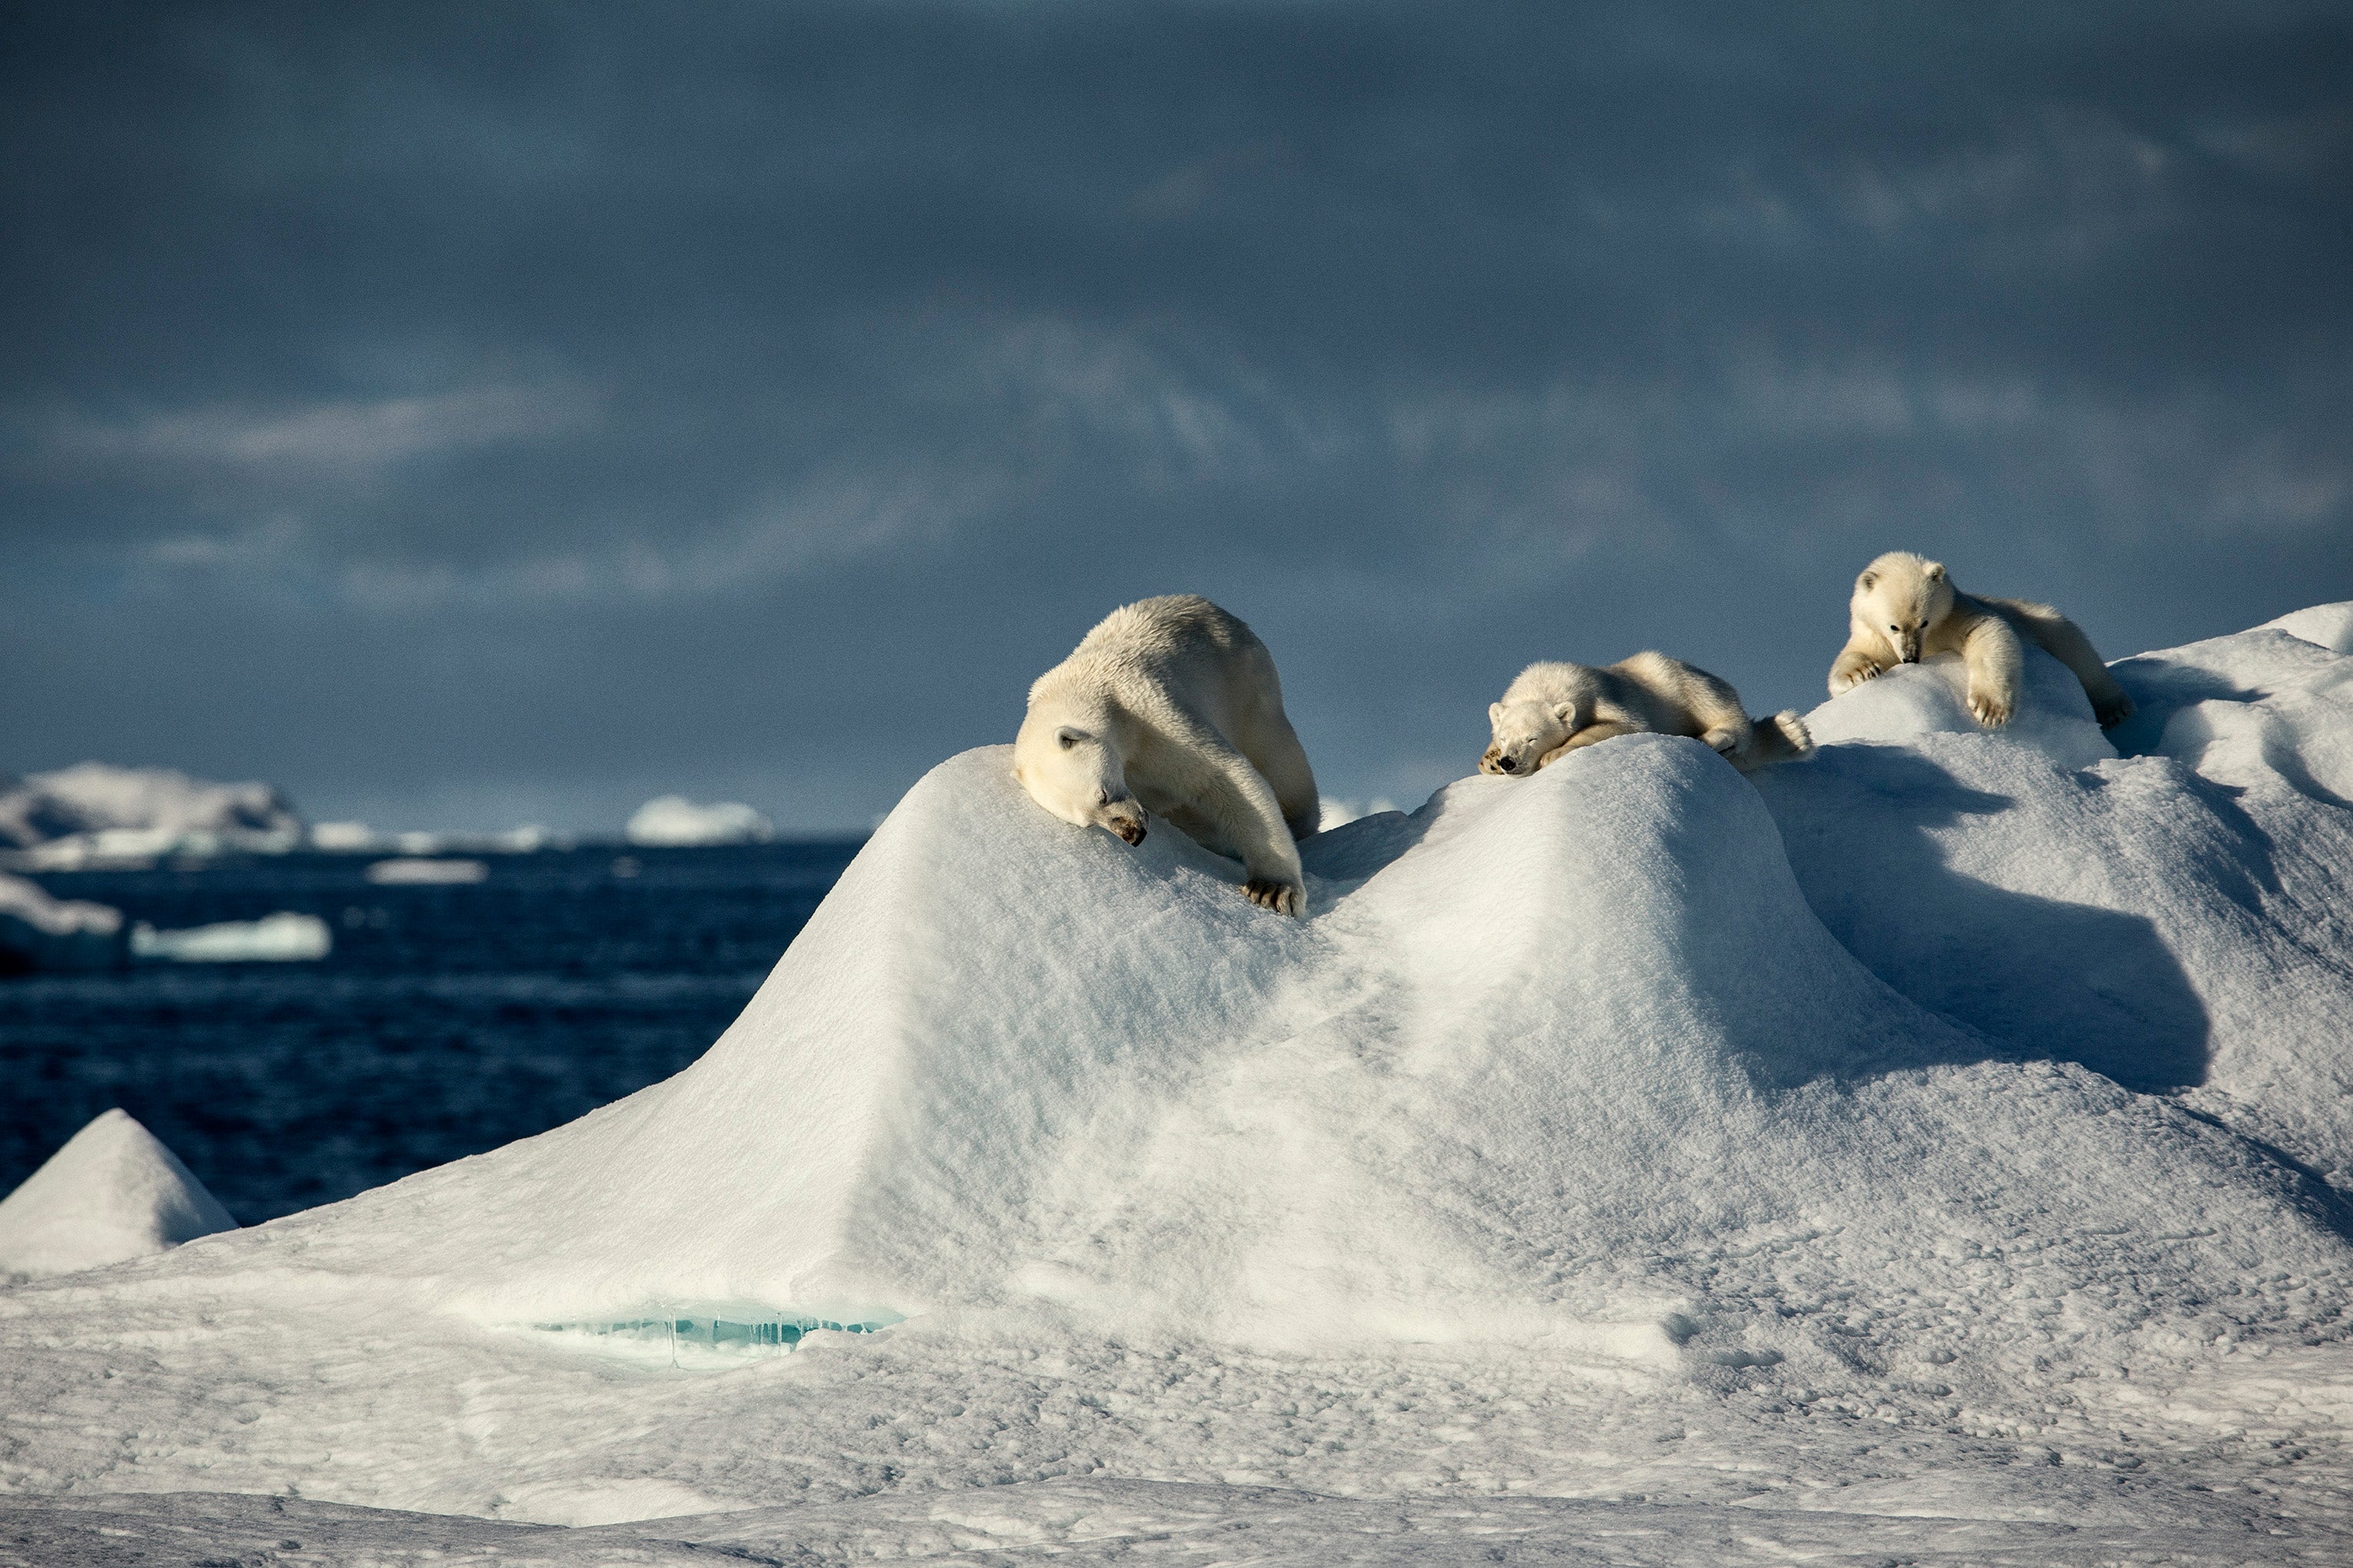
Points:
(674, 821)
(37, 931)
(413, 871)
(342, 838)
(95, 814)
(285, 937)
(112, 1193)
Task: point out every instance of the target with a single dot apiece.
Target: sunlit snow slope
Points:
(1991, 1085)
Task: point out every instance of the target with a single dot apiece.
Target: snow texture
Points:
(1937, 1151)
(112, 1193)
(673, 821)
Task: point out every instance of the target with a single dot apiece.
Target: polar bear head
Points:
(1524, 729)
(1075, 772)
(1898, 597)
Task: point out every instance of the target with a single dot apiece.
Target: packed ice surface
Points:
(1939, 1148)
(672, 820)
(93, 811)
(113, 1192)
(288, 936)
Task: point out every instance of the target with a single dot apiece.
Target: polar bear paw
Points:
(1282, 897)
(1993, 707)
(2112, 710)
(1848, 677)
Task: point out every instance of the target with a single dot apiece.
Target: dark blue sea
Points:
(447, 1020)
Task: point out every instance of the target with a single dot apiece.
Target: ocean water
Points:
(447, 1020)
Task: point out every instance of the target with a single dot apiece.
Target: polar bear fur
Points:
(1171, 706)
(1905, 609)
(1551, 708)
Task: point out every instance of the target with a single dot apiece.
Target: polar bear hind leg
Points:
(2064, 640)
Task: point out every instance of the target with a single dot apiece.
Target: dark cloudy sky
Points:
(472, 415)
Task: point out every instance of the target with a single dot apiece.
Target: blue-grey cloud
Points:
(477, 413)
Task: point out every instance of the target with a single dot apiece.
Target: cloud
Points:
(339, 442)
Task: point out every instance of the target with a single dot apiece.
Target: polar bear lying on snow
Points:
(1550, 709)
(1171, 706)
(1906, 609)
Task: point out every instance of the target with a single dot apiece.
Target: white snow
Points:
(410, 870)
(93, 812)
(672, 821)
(1936, 1151)
(112, 1193)
(286, 937)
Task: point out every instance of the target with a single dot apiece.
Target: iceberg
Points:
(672, 821)
(411, 870)
(1955, 1128)
(112, 1193)
(38, 931)
(286, 937)
(94, 814)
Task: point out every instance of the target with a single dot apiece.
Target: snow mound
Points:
(38, 931)
(111, 1193)
(1539, 1031)
(1959, 1126)
(2330, 625)
(93, 811)
(672, 821)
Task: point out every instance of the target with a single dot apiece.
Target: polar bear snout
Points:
(1125, 819)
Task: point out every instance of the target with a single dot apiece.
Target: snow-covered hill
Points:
(1953, 1126)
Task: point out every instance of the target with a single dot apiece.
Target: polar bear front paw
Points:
(2112, 712)
(1282, 897)
(1991, 708)
(1846, 677)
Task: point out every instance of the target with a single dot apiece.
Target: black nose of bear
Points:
(1504, 762)
(1911, 657)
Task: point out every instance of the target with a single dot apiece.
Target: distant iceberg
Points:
(113, 1192)
(672, 821)
(286, 937)
(410, 870)
(37, 931)
(94, 814)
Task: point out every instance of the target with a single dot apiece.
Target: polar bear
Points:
(1171, 706)
(1554, 707)
(1906, 609)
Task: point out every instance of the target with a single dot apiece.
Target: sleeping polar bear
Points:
(1905, 609)
(1551, 708)
(1171, 706)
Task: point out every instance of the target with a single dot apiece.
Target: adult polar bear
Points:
(1905, 609)
(1171, 706)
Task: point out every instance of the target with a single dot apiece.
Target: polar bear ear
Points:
(1070, 736)
(1866, 582)
(1566, 713)
(1494, 714)
(1935, 571)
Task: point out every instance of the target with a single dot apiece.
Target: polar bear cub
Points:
(1171, 706)
(1550, 709)
(1906, 609)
